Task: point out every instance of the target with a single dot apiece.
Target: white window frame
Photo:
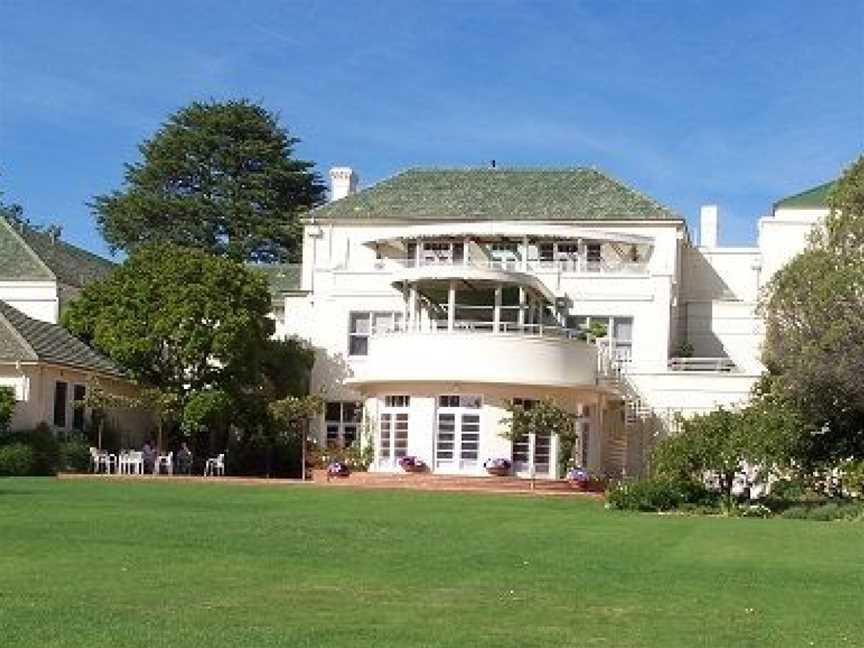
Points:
(395, 408)
(461, 407)
(396, 323)
(343, 423)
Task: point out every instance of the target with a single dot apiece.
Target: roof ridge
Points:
(17, 235)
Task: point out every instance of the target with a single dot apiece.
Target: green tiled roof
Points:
(28, 254)
(578, 194)
(282, 277)
(815, 197)
(29, 340)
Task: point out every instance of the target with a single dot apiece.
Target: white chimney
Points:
(708, 226)
(343, 181)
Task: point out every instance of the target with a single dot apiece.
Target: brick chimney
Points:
(343, 181)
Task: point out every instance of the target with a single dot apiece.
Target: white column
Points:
(496, 317)
(521, 306)
(451, 305)
(532, 468)
(412, 309)
(554, 450)
(417, 253)
(465, 248)
(524, 254)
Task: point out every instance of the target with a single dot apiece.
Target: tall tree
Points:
(814, 341)
(220, 176)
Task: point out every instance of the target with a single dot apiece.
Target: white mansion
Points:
(436, 296)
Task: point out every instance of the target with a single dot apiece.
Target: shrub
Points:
(826, 512)
(16, 460)
(75, 455)
(658, 494)
(46, 450)
(7, 407)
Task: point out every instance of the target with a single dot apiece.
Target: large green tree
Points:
(178, 319)
(220, 176)
(814, 315)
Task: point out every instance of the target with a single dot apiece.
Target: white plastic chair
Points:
(94, 459)
(164, 461)
(215, 466)
(135, 462)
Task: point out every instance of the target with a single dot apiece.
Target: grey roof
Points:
(578, 194)
(281, 277)
(29, 340)
(28, 254)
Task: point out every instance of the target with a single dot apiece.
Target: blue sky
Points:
(738, 103)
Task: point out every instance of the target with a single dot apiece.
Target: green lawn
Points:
(99, 563)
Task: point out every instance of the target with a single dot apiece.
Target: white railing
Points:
(566, 266)
(441, 326)
(711, 365)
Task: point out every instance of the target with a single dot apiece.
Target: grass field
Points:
(95, 563)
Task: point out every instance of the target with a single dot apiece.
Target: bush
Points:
(75, 455)
(658, 494)
(16, 460)
(7, 407)
(46, 450)
(826, 512)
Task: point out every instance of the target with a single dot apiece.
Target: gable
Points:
(17, 261)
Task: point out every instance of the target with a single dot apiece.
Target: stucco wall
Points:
(36, 299)
(35, 389)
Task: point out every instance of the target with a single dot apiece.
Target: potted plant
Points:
(579, 478)
(412, 464)
(500, 467)
(338, 469)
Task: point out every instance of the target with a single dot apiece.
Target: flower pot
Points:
(498, 471)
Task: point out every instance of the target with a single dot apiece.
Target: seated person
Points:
(184, 460)
(149, 455)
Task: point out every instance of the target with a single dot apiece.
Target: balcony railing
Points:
(572, 266)
(483, 326)
(712, 365)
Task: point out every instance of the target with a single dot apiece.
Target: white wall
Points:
(784, 235)
(35, 386)
(36, 299)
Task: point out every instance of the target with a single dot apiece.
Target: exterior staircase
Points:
(623, 452)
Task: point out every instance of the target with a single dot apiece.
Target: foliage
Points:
(826, 511)
(16, 460)
(203, 410)
(46, 450)
(814, 342)
(658, 494)
(219, 176)
(177, 319)
(7, 407)
(75, 455)
(286, 365)
(293, 411)
(355, 456)
(724, 443)
(542, 417)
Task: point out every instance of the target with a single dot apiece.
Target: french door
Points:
(392, 437)
(457, 434)
(542, 455)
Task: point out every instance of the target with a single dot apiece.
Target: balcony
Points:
(477, 352)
